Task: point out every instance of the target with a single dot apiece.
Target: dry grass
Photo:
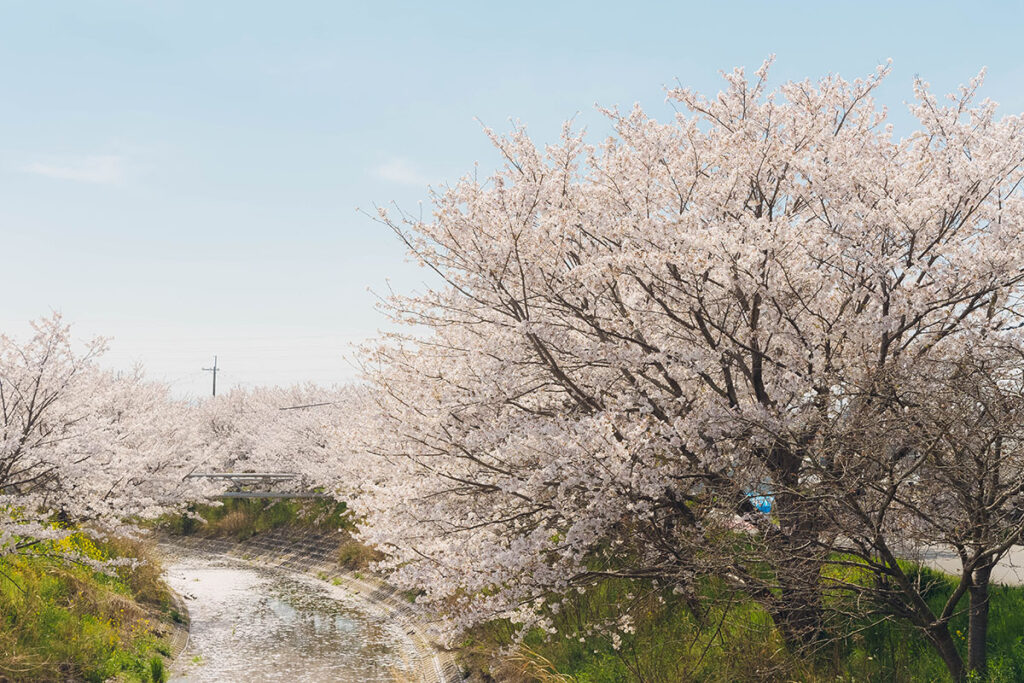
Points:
(145, 578)
(525, 665)
(353, 555)
(235, 523)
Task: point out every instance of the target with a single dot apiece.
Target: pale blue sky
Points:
(183, 176)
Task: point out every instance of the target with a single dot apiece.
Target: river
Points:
(256, 624)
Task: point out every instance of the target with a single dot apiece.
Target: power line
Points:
(310, 405)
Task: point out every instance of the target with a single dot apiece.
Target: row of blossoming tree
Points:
(80, 443)
(634, 345)
(85, 448)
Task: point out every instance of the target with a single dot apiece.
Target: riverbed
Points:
(256, 624)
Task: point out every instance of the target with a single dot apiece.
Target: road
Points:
(1010, 571)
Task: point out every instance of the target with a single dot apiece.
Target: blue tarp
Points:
(763, 502)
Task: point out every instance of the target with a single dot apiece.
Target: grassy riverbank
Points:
(64, 621)
(243, 518)
(721, 637)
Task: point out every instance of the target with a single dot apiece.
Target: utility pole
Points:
(214, 371)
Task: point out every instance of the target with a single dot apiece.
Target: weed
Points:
(157, 672)
(242, 518)
(68, 622)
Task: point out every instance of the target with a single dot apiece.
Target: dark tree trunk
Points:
(977, 629)
(799, 613)
(943, 641)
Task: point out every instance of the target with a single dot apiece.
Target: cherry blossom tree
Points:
(632, 339)
(78, 442)
(939, 462)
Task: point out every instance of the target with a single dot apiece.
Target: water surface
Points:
(257, 624)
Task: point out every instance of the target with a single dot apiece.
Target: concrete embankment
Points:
(314, 554)
(178, 638)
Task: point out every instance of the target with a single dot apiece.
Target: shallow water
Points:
(254, 624)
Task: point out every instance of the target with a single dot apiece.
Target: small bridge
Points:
(255, 484)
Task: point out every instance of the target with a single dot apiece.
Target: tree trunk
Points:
(799, 611)
(947, 650)
(798, 614)
(977, 629)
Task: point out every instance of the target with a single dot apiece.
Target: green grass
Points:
(242, 518)
(727, 638)
(61, 621)
(896, 652)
